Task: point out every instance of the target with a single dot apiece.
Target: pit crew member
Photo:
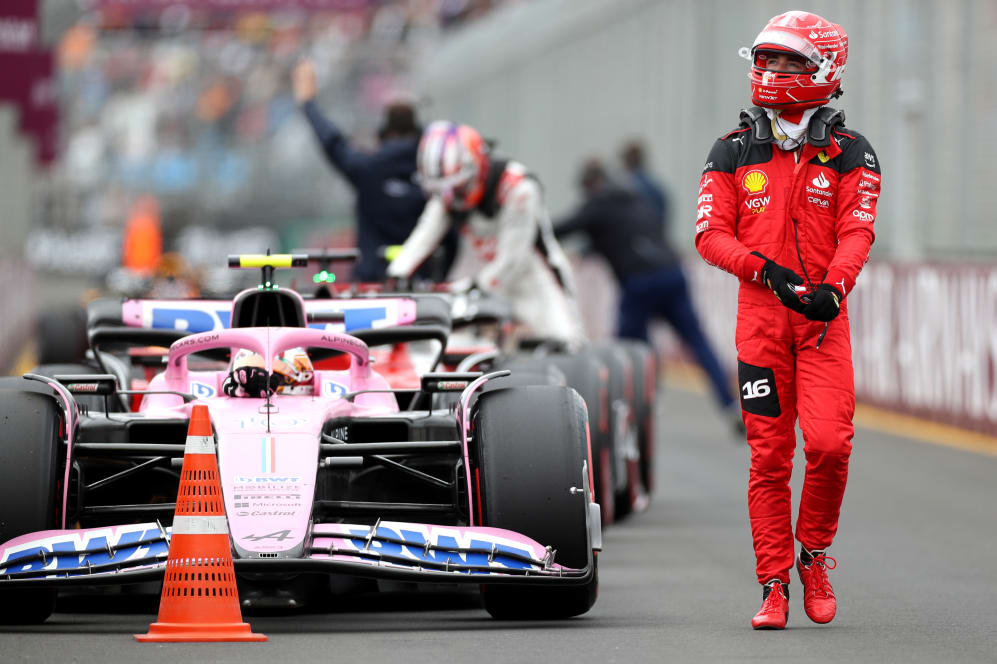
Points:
(499, 205)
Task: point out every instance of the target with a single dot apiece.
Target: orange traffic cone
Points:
(200, 601)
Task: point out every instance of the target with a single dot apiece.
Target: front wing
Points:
(395, 550)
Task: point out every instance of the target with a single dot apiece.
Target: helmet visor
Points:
(782, 61)
(446, 183)
(786, 40)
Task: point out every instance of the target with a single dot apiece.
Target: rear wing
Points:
(206, 315)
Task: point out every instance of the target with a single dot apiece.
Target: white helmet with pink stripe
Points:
(453, 164)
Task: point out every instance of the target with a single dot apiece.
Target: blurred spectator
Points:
(627, 231)
(194, 105)
(388, 201)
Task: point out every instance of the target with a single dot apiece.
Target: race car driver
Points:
(292, 373)
(499, 205)
(787, 203)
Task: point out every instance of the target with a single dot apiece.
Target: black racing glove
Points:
(823, 303)
(780, 281)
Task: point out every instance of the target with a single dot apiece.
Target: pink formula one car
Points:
(344, 475)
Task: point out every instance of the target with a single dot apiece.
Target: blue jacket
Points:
(652, 192)
(388, 202)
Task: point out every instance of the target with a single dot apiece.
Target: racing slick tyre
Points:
(62, 336)
(29, 483)
(590, 378)
(530, 445)
(624, 455)
(645, 381)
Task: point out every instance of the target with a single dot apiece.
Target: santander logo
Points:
(821, 181)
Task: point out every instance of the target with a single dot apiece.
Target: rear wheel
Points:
(62, 336)
(590, 378)
(29, 483)
(645, 380)
(625, 455)
(530, 447)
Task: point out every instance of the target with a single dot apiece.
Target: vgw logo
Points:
(757, 203)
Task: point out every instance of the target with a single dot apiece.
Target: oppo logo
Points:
(757, 389)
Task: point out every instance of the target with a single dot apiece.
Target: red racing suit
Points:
(812, 211)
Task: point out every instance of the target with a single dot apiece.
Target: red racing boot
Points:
(775, 606)
(818, 597)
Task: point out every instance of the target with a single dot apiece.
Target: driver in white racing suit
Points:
(500, 207)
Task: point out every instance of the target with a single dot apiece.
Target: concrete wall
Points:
(557, 80)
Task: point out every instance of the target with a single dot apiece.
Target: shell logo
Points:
(754, 182)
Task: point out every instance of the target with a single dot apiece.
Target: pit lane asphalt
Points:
(916, 579)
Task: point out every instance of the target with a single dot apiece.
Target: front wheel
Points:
(531, 451)
(29, 496)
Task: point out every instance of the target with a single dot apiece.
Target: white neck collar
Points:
(789, 135)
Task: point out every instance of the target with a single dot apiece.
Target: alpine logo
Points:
(821, 181)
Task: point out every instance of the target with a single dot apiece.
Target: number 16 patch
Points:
(758, 393)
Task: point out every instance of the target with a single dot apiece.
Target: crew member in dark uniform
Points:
(389, 201)
(627, 231)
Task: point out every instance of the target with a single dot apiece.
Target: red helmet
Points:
(453, 163)
(824, 45)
